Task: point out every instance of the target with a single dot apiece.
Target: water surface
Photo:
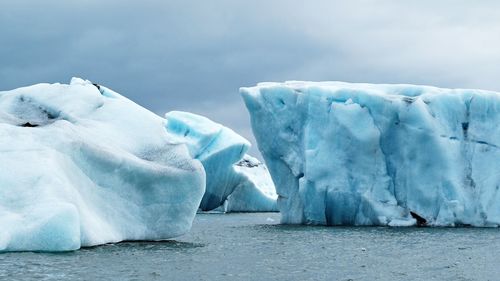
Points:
(255, 247)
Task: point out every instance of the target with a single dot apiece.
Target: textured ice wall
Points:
(82, 166)
(221, 150)
(362, 154)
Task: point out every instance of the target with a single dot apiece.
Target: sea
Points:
(255, 246)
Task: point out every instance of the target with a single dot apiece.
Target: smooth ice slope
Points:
(82, 166)
(362, 154)
(221, 150)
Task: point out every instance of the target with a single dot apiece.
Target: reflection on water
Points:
(144, 246)
(255, 247)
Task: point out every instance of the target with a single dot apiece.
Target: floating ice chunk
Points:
(363, 154)
(216, 146)
(245, 184)
(78, 168)
(255, 192)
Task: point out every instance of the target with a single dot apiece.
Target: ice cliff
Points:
(233, 179)
(363, 154)
(81, 165)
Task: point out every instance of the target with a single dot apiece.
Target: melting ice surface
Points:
(362, 154)
(238, 182)
(81, 166)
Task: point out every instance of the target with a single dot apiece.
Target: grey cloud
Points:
(194, 55)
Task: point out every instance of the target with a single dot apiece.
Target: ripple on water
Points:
(255, 247)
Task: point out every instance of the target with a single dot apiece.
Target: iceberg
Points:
(235, 182)
(81, 165)
(365, 154)
(255, 191)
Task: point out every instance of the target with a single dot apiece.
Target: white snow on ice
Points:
(82, 166)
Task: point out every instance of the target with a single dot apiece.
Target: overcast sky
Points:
(194, 55)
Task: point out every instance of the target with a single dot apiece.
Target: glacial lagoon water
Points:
(255, 247)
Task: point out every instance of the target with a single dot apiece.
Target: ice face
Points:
(82, 166)
(220, 150)
(362, 154)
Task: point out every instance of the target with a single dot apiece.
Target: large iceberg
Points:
(363, 154)
(81, 165)
(235, 182)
